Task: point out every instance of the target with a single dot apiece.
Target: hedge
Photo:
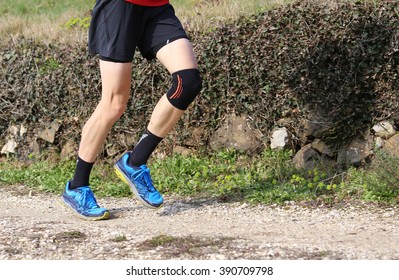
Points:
(337, 63)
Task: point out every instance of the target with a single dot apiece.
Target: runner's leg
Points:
(115, 78)
(175, 56)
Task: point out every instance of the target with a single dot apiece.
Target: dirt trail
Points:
(37, 226)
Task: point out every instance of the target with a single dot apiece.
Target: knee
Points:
(113, 109)
(117, 110)
(186, 85)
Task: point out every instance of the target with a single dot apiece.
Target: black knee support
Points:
(186, 85)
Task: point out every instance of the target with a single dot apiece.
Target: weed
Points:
(119, 238)
(77, 22)
(74, 234)
(378, 182)
(69, 236)
(159, 240)
(48, 66)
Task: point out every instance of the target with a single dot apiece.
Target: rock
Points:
(392, 146)
(322, 147)
(280, 139)
(182, 151)
(10, 144)
(384, 129)
(235, 133)
(308, 129)
(9, 147)
(35, 148)
(48, 134)
(354, 153)
(68, 150)
(306, 158)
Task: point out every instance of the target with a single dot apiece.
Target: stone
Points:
(68, 150)
(392, 146)
(182, 151)
(280, 139)
(322, 147)
(308, 129)
(235, 133)
(48, 134)
(35, 148)
(306, 158)
(354, 153)
(384, 129)
(9, 147)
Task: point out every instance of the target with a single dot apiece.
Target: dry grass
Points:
(205, 14)
(43, 29)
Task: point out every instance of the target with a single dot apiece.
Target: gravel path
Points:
(36, 226)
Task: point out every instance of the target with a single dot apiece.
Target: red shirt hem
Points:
(149, 3)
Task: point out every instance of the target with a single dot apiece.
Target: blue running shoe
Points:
(139, 180)
(83, 202)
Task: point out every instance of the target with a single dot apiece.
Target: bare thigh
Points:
(178, 55)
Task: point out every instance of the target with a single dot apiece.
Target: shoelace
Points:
(144, 175)
(87, 198)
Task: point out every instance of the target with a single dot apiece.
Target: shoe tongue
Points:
(136, 168)
(91, 204)
(88, 197)
(148, 181)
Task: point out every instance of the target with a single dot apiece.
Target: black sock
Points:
(82, 174)
(144, 148)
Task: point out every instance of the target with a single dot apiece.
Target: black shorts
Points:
(118, 27)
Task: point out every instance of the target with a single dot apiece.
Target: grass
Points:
(38, 8)
(207, 14)
(50, 20)
(43, 19)
(69, 236)
(228, 175)
(119, 238)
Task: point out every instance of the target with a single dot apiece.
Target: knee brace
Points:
(186, 85)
